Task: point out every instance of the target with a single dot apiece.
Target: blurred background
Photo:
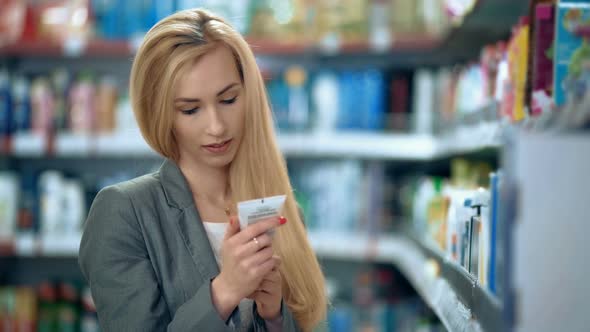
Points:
(439, 149)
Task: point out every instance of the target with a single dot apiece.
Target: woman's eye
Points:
(191, 111)
(229, 101)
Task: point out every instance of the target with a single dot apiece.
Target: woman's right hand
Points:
(247, 257)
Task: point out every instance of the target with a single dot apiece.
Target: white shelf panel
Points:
(123, 144)
(363, 145)
(470, 139)
(31, 245)
(72, 145)
(60, 245)
(342, 246)
(360, 145)
(28, 144)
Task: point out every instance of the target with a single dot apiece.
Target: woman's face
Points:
(209, 110)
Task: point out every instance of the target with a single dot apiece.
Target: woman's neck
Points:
(207, 183)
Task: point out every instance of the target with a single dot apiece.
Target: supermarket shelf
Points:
(377, 146)
(72, 145)
(380, 146)
(355, 247)
(472, 138)
(28, 245)
(454, 295)
(28, 145)
(480, 302)
(359, 145)
(123, 145)
(489, 22)
(125, 48)
(69, 48)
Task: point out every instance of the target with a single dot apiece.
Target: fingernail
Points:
(282, 220)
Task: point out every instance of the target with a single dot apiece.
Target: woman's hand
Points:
(269, 295)
(247, 257)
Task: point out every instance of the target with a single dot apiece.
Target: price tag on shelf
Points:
(28, 144)
(60, 245)
(74, 46)
(26, 244)
(135, 42)
(73, 144)
(330, 44)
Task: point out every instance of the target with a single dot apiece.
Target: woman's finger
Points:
(274, 276)
(257, 229)
(255, 245)
(258, 258)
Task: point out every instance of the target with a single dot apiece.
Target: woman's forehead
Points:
(208, 74)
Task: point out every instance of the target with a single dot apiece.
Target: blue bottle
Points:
(349, 98)
(21, 105)
(494, 209)
(374, 95)
(5, 106)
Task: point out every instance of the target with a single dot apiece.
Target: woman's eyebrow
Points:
(194, 100)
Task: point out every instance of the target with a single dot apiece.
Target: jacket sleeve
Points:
(289, 324)
(115, 262)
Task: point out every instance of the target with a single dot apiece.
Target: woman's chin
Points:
(219, 162)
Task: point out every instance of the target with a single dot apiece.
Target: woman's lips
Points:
(218, 148)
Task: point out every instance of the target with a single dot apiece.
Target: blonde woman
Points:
(161, 252)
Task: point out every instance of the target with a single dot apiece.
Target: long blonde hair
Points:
(258, 169)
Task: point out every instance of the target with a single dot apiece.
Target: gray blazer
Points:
(148, 261)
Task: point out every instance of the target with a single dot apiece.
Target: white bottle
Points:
(423, 103)
(50, 189)
(325, 99)
(456, 215)
(480, 234)
(74, 207)
(484, 246)
(9, 194)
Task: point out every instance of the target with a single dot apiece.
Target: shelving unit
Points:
(124, 48)
(454, 295)
(363, 145)
(69, 48)
(27, 245)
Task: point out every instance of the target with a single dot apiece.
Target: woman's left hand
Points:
(269, 295)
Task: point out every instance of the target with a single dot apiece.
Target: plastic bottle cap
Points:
(481, 198)
(467, 202)
(438, 183)
(295, 76)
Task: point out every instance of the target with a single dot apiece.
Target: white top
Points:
(215, 233)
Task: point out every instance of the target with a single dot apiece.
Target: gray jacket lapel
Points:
(189, 222)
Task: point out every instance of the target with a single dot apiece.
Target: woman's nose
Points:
(215, 126)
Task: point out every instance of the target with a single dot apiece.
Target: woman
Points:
(158, 251)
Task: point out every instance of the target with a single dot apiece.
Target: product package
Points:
(5, 110)
(572, 52)
(542, 71)
(21, 105)
(517, 64)
(253, 211)
(9, 194)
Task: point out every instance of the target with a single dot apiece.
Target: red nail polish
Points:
(282, 220)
